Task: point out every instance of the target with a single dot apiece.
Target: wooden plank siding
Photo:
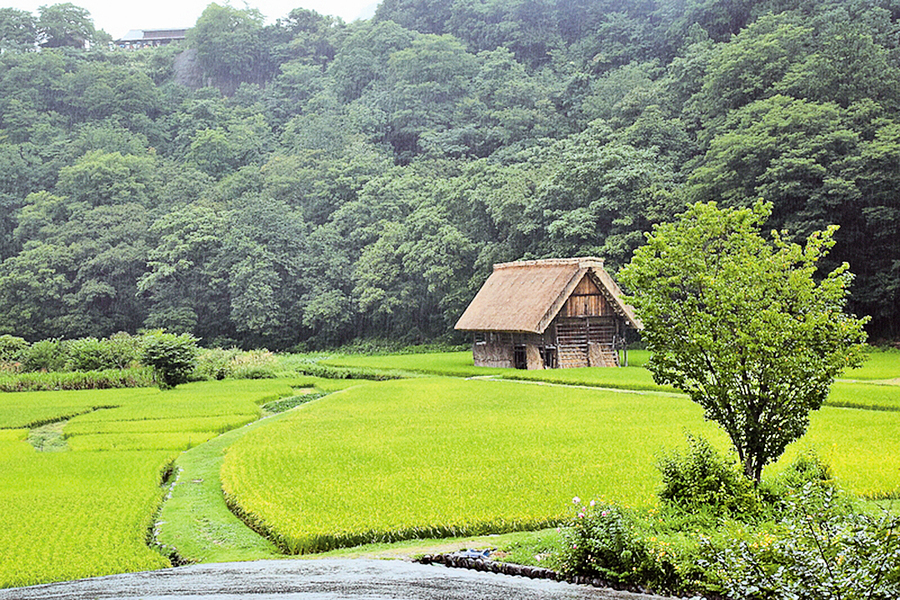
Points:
(587, 301)
(584, 342)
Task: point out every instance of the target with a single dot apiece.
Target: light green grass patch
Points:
(880, 364)
(195, 522)
(864, 395)
(181, 440)
(860, 446)
(438, 457)
(12, 435)
(218, 424)
(459, 364)
(455, 364)
(443, 457)
(626, 378)
(68, 515)
(30, 409)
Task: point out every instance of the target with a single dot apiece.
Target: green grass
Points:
(860, 446)
(75, 514)
(880, 364)
(445, 457)
(864, 395)
(626, 378)
(195, 522)
(87, 511)
(459, 364)
(437, 457)
(429, 457)
(30, 409)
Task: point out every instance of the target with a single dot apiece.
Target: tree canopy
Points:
(308, 181)
(743, 324)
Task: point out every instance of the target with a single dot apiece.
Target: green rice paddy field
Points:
(377, 461)
(87, 508)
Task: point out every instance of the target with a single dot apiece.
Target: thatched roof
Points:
(526, 296)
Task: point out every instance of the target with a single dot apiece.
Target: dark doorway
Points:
(548, 355)
(520, 359)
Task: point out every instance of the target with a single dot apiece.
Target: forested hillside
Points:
(313, 181)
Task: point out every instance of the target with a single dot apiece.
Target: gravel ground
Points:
(320, 579)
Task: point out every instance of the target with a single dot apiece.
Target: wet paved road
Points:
(321, 579)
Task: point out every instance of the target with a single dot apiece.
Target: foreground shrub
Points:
(171, 356)
(701, 477)
(824, 551)
(602, 541)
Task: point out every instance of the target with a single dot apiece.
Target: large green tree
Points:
(744, 324)
(65, 25)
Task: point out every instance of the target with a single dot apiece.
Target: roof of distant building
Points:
(146, 35)
(526, 296)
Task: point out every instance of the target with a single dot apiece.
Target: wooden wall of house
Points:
(498, 349)
(533, 358)
(586, 301)
(493, 354)
(584, 342)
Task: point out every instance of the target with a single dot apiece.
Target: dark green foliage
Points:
(12, 349)
(341, 181)
(701, 478)
(64, 25)
(46, 355)
(119, 351)
(230, 45)
(172, 356)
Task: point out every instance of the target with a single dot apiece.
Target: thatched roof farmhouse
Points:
(544, 314)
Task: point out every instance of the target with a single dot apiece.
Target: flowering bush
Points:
(602, 541)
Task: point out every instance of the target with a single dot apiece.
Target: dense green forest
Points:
(310, 182)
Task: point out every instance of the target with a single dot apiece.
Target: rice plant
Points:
(439, 457)
(89, 510)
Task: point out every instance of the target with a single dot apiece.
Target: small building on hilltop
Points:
(547, 314)
(149, 38)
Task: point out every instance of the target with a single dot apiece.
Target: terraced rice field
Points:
(88, 509)
(378, 461)
(440, 456)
